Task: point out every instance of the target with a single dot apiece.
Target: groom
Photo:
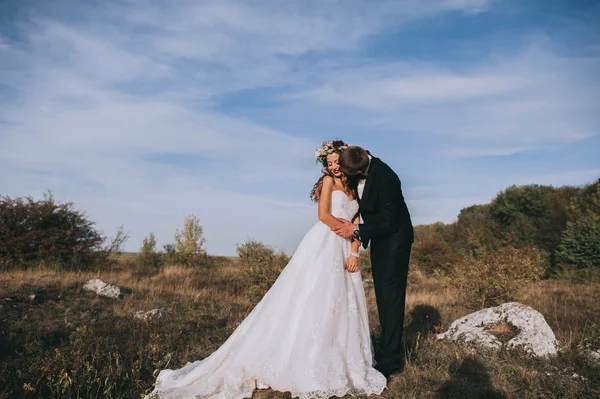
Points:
(388, 227)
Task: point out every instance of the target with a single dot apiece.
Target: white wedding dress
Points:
(309, 335)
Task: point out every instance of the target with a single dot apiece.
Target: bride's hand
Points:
(352, 264)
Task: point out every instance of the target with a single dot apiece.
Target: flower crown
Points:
(329, 147)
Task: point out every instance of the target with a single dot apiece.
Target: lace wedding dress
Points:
(309, 335)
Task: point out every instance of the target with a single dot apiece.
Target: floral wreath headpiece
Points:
(329, 147)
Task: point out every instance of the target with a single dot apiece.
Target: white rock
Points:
(151, 314)
(103, 289)
(594, 356)
(534, 335)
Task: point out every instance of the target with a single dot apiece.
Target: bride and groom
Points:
(309, 335)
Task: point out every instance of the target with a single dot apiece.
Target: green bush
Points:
(586, 202)
(47, 231)
(433, 257)
(260, 266)
(524, 211)
(489, 278)
(188, 247)
(474, 228)
(148, 256)
(580, 246)
(431, 253)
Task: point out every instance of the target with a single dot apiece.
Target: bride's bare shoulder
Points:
(328, 180)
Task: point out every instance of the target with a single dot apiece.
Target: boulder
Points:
(151, 314)
(527, 329)
(103, 289)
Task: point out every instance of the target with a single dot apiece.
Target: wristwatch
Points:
(356, 232)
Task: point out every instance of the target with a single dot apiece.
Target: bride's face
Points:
(333, 165)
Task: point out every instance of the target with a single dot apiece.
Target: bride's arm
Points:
(325, 201)
(352, 261)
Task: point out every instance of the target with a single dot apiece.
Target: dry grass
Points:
(71, 343)
(504, 331)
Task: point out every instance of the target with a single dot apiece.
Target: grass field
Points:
(70, 343)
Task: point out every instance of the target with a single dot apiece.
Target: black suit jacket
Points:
(382, 207)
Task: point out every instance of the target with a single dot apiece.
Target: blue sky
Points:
(142, 112)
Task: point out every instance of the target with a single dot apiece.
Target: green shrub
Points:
(533, 214)
(47, 231)
(188, 243)
(580, 246)
(260, 266)
(586, 202)
(148, 256)
(474, 228)
(433, 257)
(590, 337)
(580, 241)
(489, 278)
(523, 210)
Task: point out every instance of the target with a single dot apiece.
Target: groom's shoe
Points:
(388, 369)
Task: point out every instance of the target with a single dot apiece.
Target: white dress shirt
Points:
(361, 182)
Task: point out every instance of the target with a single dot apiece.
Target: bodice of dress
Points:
(341, 206)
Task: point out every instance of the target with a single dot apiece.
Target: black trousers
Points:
(389, 263)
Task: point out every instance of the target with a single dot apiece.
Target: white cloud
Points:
(414, 87)
(530, 97)
(485, 151)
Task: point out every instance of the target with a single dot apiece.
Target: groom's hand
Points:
(345, 229)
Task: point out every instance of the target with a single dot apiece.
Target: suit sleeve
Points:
(390, 196)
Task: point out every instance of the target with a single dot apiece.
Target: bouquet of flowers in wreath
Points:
(329, 147)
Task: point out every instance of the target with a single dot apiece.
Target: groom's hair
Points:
(354, 159)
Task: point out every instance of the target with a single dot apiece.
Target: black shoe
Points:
(388, 369)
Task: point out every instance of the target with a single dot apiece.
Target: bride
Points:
(309, 335)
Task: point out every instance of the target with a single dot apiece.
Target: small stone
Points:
(151, 314)
(103, 289)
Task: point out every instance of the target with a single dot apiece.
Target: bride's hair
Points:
(349, 182)
(315, 194)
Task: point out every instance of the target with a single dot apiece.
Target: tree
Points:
(148, 255)
(523, 210)
(580, 246)
(474, 228)
(189, 242)
(580, 241)
(148, 245)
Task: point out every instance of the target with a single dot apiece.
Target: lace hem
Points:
(373, 388)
